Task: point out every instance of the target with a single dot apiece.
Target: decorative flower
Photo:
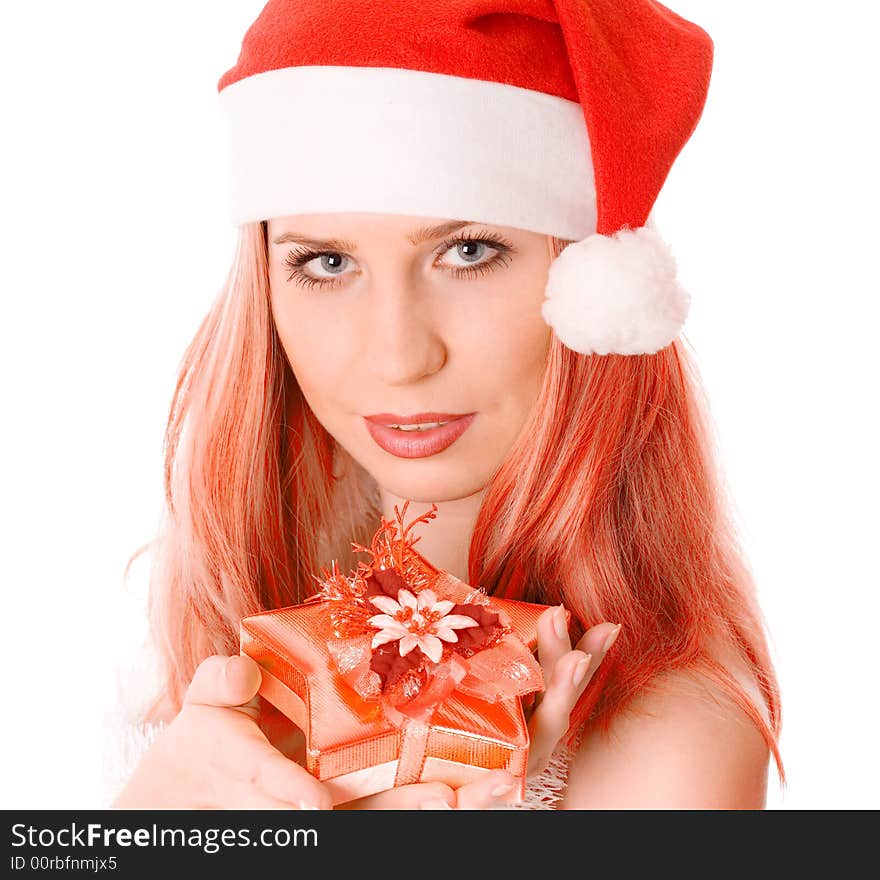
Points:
(466, 642)
(417, 621)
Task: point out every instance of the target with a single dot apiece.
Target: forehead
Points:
(348, 228)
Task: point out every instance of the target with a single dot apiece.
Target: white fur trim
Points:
(318, 139)
(137, 682)
(127, 736)
(616, 294)
(546, 790)
(124, 749)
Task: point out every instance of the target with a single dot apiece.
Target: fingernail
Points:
(435, 804)
(559, 623)
(580, 670)
(227, 664)
(500, 790)
(306, 805)
(611, 637)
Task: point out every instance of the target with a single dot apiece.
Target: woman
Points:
(572, 463)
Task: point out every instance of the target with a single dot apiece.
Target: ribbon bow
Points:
(408, 635)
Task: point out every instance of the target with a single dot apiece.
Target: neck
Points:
(445, 540)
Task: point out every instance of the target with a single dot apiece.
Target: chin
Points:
(429, 484)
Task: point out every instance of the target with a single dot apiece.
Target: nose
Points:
(404, 343)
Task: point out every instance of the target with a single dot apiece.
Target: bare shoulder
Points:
(683, 744)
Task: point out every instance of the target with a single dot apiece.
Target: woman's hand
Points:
(214, 755)
(494, 787)
(567, 673)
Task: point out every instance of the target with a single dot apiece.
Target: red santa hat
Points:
(557, 116)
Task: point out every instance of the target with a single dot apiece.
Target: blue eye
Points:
(477, 247)
(298, 259)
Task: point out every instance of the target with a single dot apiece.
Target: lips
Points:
(417, 442)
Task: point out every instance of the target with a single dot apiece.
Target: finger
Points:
(281, 778)
(598, 640)
(417, 796)
(553, 642)
(595, 642)
(224, 681)
(252, 799)
(573, 672)
(550, 720)
(480, 795)
(553, 638)
(246, 758)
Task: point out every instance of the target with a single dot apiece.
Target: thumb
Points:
(224, 681)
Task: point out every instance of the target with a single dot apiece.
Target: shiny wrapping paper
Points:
(359, 746)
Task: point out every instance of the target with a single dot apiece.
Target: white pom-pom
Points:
(615, 294)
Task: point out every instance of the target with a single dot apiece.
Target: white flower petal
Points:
(457, 621)
(432, 646)
(448, 635)
(408, 643)
(386, 604)
(407, 599)
(383, 637)
(444, 606)
(383, 621)
(427, 598)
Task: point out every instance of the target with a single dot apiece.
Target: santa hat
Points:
(559, 117)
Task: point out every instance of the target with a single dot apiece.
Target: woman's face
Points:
(386, 318)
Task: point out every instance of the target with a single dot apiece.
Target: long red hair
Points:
(610, 501)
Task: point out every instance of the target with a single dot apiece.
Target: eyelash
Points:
(300, 257)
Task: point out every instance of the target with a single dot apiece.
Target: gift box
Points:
(400, 672)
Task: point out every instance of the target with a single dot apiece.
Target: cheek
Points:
(524, 353)
(315, 359)
(508, 340)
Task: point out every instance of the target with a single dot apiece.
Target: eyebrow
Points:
(426, 233)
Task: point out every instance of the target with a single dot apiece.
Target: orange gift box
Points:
(429, 690)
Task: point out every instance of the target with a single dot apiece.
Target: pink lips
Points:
(417, 444)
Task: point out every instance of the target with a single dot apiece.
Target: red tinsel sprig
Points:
(392, 547)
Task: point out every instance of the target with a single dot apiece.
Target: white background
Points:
(115, 241)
